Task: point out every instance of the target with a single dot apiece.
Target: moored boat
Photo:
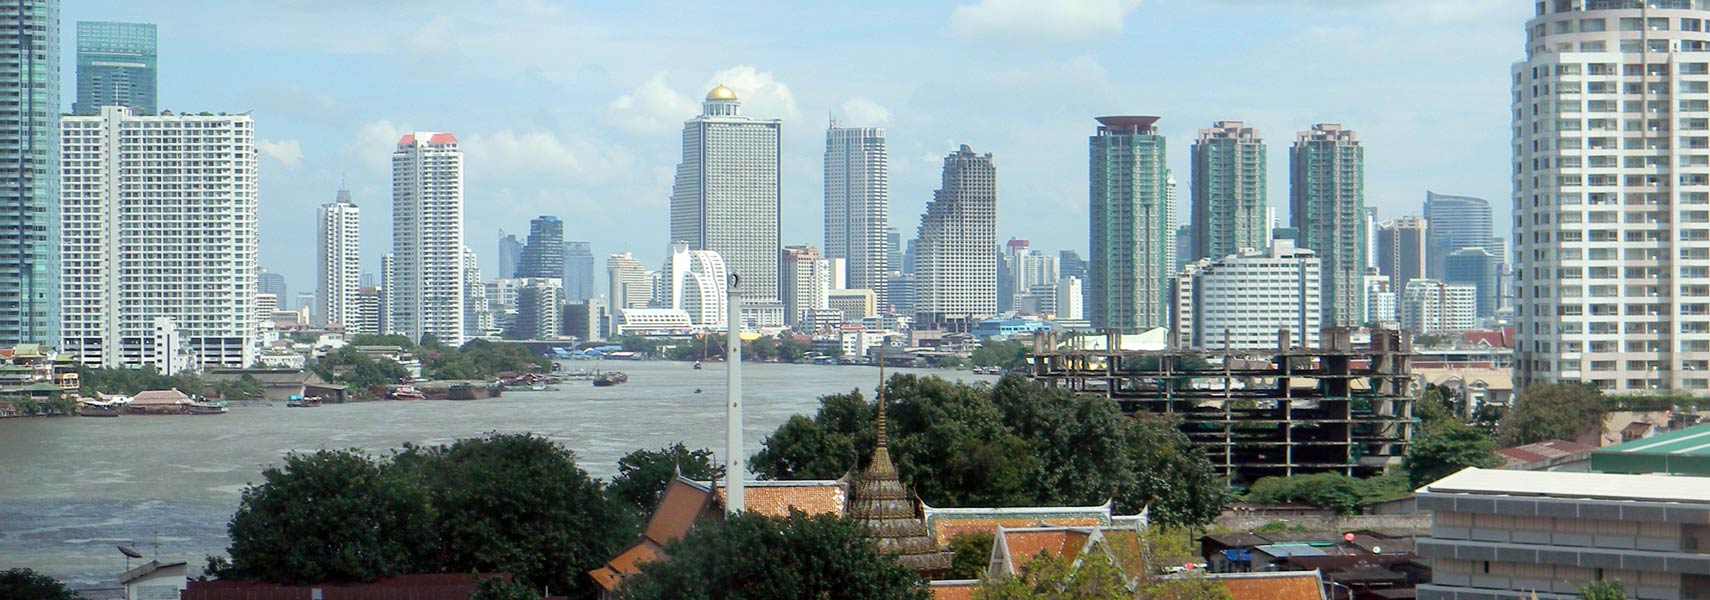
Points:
(102, 408)
(407, 392)
(610, 378)
(200, 407)
(297, 401)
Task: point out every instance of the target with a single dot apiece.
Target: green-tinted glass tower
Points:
(1131, 230)
(1229, 199)
(1327, 199)
(29, 172)
(115, 67)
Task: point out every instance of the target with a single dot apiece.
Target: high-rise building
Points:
(1132, 239)
(955, 267)
(1184, 247)
(1070, 264)
(1242, 302)
(893, 248)
(1382, 306)
(510, 254)
(543, 257)
(1400, 249)
(697, 283)
(1033, 273)
(725, 198)
(578, 272)
(29, 148)
(339, 259)
(1610, 202)
(1229, 192)
(1327, 192)
(115, 67)
(630, 286)
(538, 314)
(857, 204)
(900, 291)
(806, 282)
(388, 280)
(428, 291)
(1006, 273)
(159, 224)
(1455, 222)
(855, 304)
(272, 283)
(1476, 267)
(1431, 306)
(305, 305)
(477, 315)
(366, 321)
(1069, 299)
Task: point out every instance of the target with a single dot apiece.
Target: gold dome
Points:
(721, 93)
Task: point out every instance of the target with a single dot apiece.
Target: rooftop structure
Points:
(1682, 452)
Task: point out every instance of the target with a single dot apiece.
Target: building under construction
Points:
(1257, 413)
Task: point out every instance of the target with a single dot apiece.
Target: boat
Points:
(298, 401)
(610, 378)
(407, 392)
(697, 365)
(102, 408)
(202, 407)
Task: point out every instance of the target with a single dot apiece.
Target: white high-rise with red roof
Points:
(427, 291)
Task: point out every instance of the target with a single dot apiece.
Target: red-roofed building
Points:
(1549, 455)
(441, 586)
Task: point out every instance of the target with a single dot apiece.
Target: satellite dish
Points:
(128, 551)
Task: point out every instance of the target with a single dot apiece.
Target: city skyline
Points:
(612, 132)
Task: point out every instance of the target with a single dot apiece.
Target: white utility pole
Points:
(735, 471)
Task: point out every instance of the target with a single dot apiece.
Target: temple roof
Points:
(881, 504)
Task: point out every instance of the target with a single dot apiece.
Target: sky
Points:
(575, 109)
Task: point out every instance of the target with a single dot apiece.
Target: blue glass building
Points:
(115, 66)
(29, 172)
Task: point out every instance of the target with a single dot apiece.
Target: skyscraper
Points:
(1609, 204)
(1479, 268)
(1455, 222)
(152, 245)
(272, 283)
(339, 254)
(1400, 250)
(1242, 301)
(1229, 192)
(806, 282)
(29, 149)
(1131, 237)
(477, 314)
(578, 272)
(1327, 192)
(543, 257)
(893, 249)
(427, 293)
(955, 267)
(725, 198)
(857, 205)
(115, 67)
(630, 286)
(510, 254)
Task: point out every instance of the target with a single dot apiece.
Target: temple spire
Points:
(881, 394)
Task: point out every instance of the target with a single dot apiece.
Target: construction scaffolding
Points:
(1257, 413)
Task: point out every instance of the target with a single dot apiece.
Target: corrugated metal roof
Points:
(1683, 452)
(1559, 484)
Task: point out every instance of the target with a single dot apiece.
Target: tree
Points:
(499, 588)
(1007, 354)
(25, 584)
(1447, 448)
(1553, 411)
(517, 503)
(972, 554)
(643, 475)
(1193, 586)
(1334, 491)
(1603, 590)
(361, 372)
(335, 515)
(756, 557)
(1433, 408)
(1048, 576)
(823, 447)
(791, 351)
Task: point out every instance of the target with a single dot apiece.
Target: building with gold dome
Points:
(725, 197)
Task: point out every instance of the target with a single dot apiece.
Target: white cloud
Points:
(864, 112)
(287, 152)
(374, 143)
(652, 108)
(762, 95)
(1051, 22)
(530, 157)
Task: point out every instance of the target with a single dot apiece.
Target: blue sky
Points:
(574, 108)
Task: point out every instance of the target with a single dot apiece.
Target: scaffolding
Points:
(1257, 413)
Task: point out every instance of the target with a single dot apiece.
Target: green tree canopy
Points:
(1048, 576)
(334, 515)
(1553, 411)
(358, 370)
(1015, 444)
(1008, 354)
(643, 475)
(24, 584)
(1447, 448)
(517, 503)
(756, 557)
(1603, 590)
(1334, 491)
(971, 554)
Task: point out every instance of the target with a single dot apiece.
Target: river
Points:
(73, 488)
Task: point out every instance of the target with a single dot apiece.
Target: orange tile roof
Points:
(681, 505)
(1024, 545)
(776, 498)
(1274, 586)
(946, 527)
(625, 564)
(954, 590)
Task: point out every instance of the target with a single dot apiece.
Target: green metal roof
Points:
(1683, 452)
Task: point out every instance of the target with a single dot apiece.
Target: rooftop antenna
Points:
(733, 399)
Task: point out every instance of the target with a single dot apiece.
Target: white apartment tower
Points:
(725, 198)
(158, 222)
(1612, 195)
(426, 291)
(697, 283)
(1431, 306)
(629, 284)
(1242, 302)
(955, 262)
(339, 254)
(857, 205)
(806, 282)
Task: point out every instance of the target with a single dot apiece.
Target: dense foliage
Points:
(24, 584)
(643, 475)
(358, 371)
(1008, 354)
(502, 503)
(481, 359)
(129, 382)
(1047, 576)
(1603, 590)
(1554, 411)
(755, 557)
(1446, 448)
(971, 554)
(1334, 491)
(1014, 444)
(58, 404)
